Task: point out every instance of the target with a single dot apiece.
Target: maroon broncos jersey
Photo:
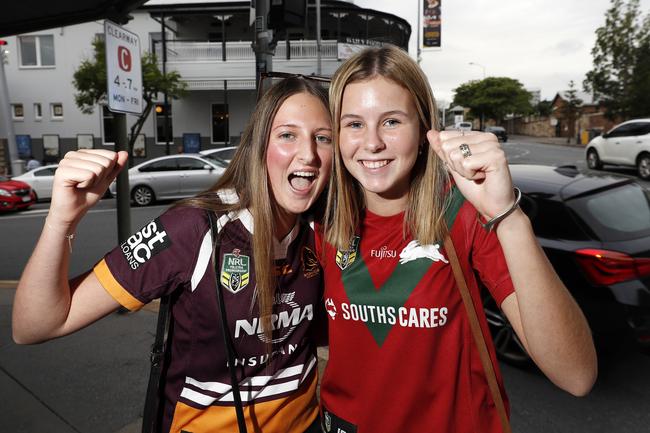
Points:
(171, 255)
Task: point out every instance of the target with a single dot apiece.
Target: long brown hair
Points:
(247, 175)
(424, 210)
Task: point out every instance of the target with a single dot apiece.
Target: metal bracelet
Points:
(497, 219)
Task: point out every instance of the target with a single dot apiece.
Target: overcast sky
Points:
(543, 44)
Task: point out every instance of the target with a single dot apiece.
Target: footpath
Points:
(92, 381)
(558, 141)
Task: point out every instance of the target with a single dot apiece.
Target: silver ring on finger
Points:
(465, 150)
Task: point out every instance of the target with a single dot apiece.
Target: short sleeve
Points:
(488, 260)
(155, 260)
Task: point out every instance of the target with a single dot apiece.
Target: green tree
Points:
(90, 81)
(544, 108)
(493, 98)
(620, 77)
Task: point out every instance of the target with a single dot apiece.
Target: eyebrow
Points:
(291, 125)
(384, 114)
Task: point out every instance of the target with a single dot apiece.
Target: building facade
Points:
(208, 44)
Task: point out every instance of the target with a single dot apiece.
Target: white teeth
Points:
(304, 173)
(374, 164)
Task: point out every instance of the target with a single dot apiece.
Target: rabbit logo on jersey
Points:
(146, 243)
(235, 271)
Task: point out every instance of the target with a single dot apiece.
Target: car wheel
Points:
(593, 160)
(142, 195)
(506, 342)
(643, 166)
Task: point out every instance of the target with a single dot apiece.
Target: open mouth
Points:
(302, 180)
(374, 164)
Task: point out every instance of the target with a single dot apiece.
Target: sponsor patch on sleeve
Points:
(145, 244)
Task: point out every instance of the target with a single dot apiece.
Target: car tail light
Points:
(604, 267)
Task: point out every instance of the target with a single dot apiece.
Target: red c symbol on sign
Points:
(124, 58)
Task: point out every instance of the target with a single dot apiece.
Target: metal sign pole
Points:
(123, 195)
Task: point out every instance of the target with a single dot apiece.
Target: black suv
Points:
(499, 131)
(595, 230)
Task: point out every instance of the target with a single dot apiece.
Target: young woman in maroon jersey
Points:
(402, 356)
(270, 282)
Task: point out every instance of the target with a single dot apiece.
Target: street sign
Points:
(123, 69)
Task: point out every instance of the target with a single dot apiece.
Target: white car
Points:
(171, 177)
(625, 144)
(459, 126)
(40, 179)
(221, 155)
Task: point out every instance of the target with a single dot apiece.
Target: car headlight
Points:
(5, 193)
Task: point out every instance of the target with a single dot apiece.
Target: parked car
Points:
(626, 144)
(499, 131)
(595, 230)
(15, 195)
(221, 155)
(459, 126)
(171, 177)
(40, 179)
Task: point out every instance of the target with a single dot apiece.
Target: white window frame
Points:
(38, 111)
(37, 45)
(53, 116)
(14, 116)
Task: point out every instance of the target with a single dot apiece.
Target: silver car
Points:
(40, 179)
(171, 177)
(222, 155)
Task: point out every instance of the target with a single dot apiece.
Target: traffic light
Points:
(287, 13)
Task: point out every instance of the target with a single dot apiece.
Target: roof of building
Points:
(586, 98)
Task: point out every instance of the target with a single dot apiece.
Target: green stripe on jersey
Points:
(361, 290)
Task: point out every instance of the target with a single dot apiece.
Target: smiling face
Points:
(379, 138)
(299, 156)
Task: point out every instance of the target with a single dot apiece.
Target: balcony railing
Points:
(181, 51)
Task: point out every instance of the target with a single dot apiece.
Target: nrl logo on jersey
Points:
(235, 271)
(347, 257)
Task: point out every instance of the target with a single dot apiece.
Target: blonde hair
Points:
(424, 217)
(247, 174)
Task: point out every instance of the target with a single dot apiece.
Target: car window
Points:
(616, 214)
(162, 165)
(551, 219)
(644, 128)
(627, 130)
(217, 159)
(191, 164)
(45, 172)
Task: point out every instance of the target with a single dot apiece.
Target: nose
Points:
(374, 143)
(307, 151)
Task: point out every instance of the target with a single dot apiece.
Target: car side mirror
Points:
(208, 167)
(605, 135)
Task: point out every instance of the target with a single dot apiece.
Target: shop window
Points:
(220, 118)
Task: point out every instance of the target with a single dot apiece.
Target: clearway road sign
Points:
(123, 69)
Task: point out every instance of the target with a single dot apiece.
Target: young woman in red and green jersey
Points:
(402, 358)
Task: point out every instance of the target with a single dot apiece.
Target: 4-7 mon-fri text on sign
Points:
(123, 69)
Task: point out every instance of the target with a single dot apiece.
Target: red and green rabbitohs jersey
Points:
(172, 255)
(402, 358)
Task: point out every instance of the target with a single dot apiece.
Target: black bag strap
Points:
(156, 357)
(228, 343)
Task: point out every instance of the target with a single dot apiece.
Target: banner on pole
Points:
(431, 24)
